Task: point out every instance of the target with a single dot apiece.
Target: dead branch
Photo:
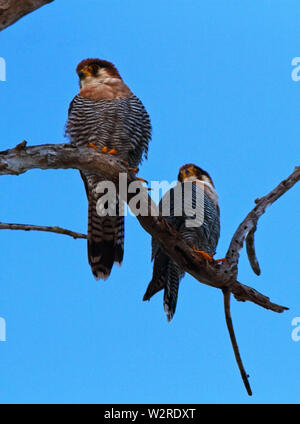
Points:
(64, 156)
(251, 251)
(28, 227)
(244, 375)
(248, 227)
(13, 10)
(222, 276)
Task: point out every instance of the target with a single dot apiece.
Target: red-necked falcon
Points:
(203, 237)
(108, 116)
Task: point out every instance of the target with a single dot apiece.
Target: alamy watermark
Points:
(296, 71)
(2, 330)
(296, 331)
(2, 320)
(186, 199)
(2, 69)
(296, 320)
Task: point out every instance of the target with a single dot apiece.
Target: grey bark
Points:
(13, 10)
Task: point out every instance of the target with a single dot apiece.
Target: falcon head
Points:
(96, 71)
(191, 172)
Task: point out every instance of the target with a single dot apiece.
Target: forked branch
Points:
(222, 276)
(247, 228)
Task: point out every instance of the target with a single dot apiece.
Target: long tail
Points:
(171, 289)
(166, 275)
(160, 270)
(105, 241)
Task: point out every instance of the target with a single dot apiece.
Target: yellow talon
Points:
(208, 257)
(142, 179)
(112, 152)
(104, 149)
(134, 170)
(217, 261)
(93, 146)
(204, 255)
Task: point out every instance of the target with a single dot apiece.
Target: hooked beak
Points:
(84, 73)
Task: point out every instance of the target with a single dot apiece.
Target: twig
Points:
(250, 247)
(244, 375)
(242, 293)
(28, 227)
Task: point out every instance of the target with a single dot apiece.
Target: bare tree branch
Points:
(222, 276)
(251, 251)
(250, 223)
(64, 156)
(242, 293)
(244, 375)
(13, 10)
(28, 227)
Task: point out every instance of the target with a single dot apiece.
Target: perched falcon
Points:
(197, 196)
(108, 116)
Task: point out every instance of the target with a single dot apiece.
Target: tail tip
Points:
(148, 294)
(100, 274)
(169, 312)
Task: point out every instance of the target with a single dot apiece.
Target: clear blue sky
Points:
(215, 77)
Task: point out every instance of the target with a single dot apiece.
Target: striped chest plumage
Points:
(121, 124)
(195, 205)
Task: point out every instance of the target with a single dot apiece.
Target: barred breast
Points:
(121, 124)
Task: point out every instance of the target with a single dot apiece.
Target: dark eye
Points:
(187, 172)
